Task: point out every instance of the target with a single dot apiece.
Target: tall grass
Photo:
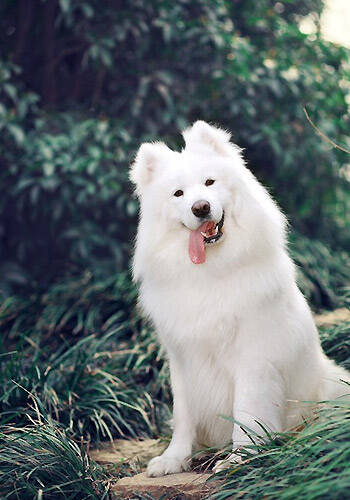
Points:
(76, 306)
(323, 273)
(336, 343)
(39, 461)
(81, 387)
(53, 406)
(311, 464)
(78, 365)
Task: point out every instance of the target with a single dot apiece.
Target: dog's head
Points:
(203, 195)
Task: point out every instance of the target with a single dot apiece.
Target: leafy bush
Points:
(18, 107)
(160, 66)
(141, 71)
(69, 203)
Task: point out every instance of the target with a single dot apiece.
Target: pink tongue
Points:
(196, 247)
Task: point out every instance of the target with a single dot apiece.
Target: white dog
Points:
(218, 284)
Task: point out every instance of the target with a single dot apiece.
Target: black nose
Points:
(201, 208)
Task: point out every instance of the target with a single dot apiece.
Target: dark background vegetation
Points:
(82, 84)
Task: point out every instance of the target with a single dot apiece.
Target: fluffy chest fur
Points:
(204, 321)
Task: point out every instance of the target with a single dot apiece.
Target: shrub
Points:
(68, 204)
(144, 71)
(159, 66)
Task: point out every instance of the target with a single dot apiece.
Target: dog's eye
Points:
(178, 193)
(209, 182)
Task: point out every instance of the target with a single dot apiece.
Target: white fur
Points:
(239, 335)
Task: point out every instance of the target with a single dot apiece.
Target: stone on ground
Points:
(187, 485)
(136, 454)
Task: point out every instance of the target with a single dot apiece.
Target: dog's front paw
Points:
(230, 461)
(162, 465)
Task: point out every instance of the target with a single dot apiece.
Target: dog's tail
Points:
(335, 381)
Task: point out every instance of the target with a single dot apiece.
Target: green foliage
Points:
(17, 108)
(130, 72)
(336, 343)
(40, 461)
(81, 387)
(72, 307)
(59, 389)
(84, 356)
(311, 464)
(68, 199)
(322, 272)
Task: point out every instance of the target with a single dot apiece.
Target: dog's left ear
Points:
(202, 134)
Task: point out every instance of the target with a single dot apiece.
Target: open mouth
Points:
(208, 233)
(213, 232)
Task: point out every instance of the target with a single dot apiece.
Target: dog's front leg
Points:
(259, 399)
(176, 457)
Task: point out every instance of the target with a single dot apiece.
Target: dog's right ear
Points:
(148, 159)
